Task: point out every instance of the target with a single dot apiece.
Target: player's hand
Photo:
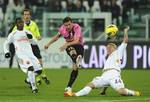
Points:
(125, 40)
(46, 47)
(39, 38)
(29, 36)
(7, 55)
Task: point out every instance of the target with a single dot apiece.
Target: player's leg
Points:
(12, 53)
(85, 91)
(27, 67)
(36, 52)
(80, 52)
(43, 74)
(97, 82)
(31, 77)
(38, 76)
(76, 53)
(118, 85)
(128, 92)
(36, 65)
(73, 77)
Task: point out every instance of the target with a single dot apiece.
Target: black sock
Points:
(73, 77)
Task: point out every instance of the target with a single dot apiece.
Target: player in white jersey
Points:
(111, 73)
(27, 61)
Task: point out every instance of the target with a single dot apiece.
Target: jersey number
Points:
(118, 81)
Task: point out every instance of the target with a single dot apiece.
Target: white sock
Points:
(27, 79)
(130, 92)
(86, 90)
(31, 77)
(68, 89)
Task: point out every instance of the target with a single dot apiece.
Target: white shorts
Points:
(110, 78)
(26, 60)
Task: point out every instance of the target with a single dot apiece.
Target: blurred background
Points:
(92, 15)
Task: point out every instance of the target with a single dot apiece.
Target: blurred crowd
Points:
(10, 9)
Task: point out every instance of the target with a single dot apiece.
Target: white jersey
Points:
(114, 60)
(20, 41)
(23, 50)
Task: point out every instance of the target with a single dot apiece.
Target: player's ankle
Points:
(68, 89)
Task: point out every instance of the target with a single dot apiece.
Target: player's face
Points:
(68, 25)
(109, 49)
(20, 24)
(26, 16)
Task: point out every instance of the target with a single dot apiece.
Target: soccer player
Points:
(111, 73)
(32, 27)
(25, 57)
(73, 46)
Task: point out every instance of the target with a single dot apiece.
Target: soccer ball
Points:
(111, 30)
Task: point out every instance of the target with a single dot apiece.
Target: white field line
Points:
(122, 100)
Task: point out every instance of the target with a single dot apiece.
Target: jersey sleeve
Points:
(14, 28)
(28, 32)
(59, 34)
(7, 42)
(36, 32)
(61, 30)
(33, 40)
(121, 49)
(77, 30)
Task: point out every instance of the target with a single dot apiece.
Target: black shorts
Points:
(12, 49)
(79, 49)
(36, 51)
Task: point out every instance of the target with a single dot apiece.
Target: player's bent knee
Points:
(122, 91)
(75, 67)
(39, 72)
(91, 85)
(31, 68)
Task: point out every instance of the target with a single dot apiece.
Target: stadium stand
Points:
(124, 12)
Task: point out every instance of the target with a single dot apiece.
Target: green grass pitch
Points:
(13, 88)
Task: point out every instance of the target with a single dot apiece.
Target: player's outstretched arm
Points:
(6, 51)
(123, 46)
(126, 29)
(6, 45)
(54, 38)
(65, 45)
(37, 32)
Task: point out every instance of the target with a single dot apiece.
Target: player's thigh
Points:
(100, 82)
(36, 63)
(24, 62)
(79, 49)
(116, 83)
(72, 53)
(36, 51)
(74, 50)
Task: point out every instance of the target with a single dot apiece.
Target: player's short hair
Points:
(18, 19)
(113, 45)
(67, 19)
(27, 10)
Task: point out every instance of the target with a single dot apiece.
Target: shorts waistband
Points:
(105, 70)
